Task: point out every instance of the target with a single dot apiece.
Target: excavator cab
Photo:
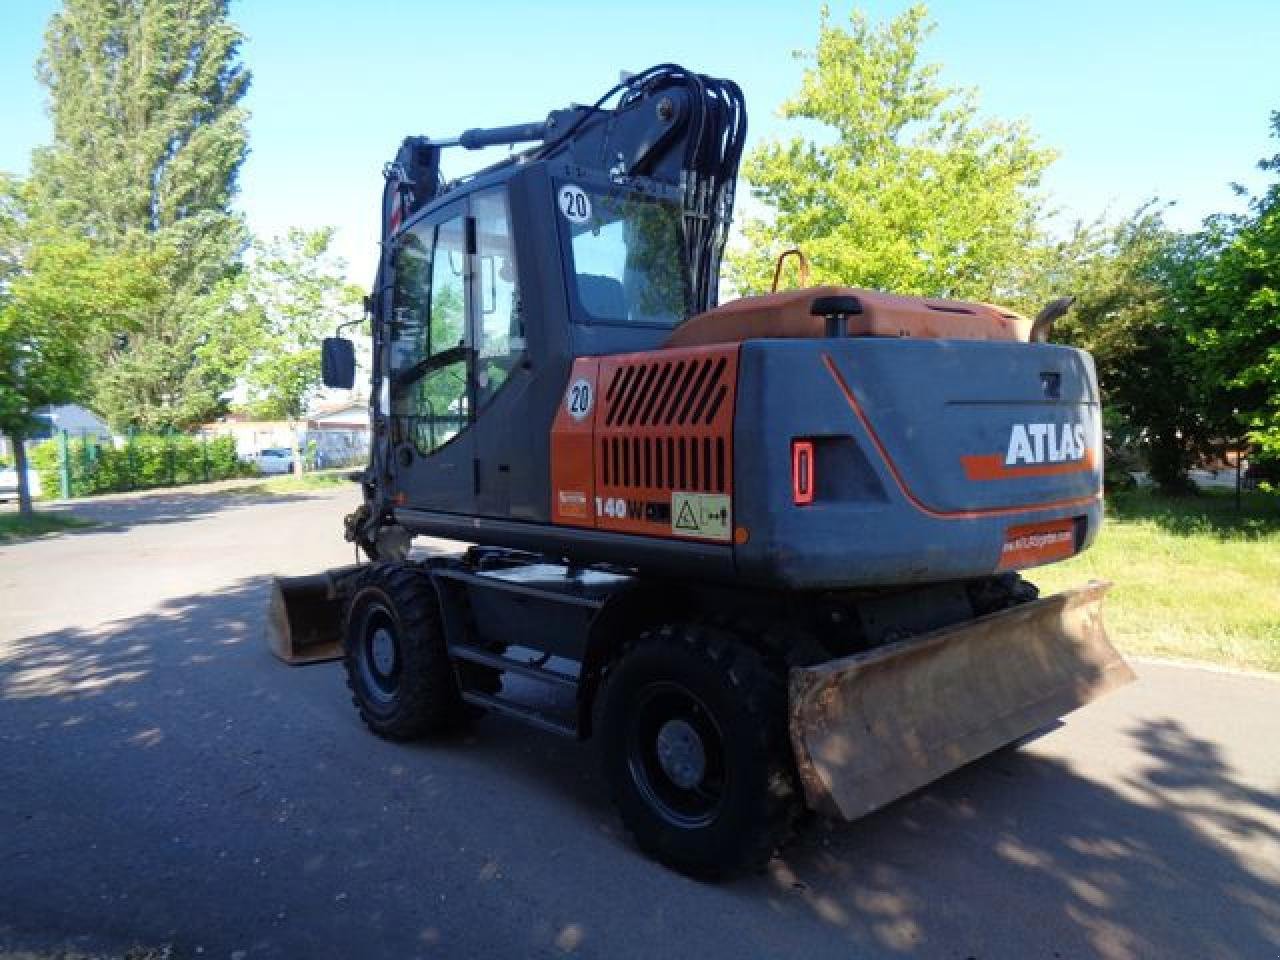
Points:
(599, 240)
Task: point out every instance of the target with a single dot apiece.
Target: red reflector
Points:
(802, 472)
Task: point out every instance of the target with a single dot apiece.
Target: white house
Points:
(337, 434)
(340, 433)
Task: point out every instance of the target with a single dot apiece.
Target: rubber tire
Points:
(426, 699)
(748, 703)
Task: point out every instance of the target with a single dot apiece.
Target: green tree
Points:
(1135, 291)
(56, 290)
(905, 187)
(272, 317)
(148, 137)
(1236, 325)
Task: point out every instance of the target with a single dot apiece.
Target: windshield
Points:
(628, 256)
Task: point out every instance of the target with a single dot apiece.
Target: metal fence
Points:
(83, 464)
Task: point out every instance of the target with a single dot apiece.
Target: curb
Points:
(1183, 664)
(191, 489)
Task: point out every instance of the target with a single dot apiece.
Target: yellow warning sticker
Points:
(700, 515)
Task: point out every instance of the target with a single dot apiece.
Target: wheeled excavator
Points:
(766, 552)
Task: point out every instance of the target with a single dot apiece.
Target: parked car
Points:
(274, 460)
(9, 483)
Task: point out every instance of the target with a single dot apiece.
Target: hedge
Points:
(144, 461)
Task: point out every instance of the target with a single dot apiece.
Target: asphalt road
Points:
(166, 782)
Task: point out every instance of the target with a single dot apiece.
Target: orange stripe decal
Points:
(991, 466)
(916, 501)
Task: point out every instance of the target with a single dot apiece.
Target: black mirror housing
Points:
(338, 363)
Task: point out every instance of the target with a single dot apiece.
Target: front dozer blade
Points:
(872, 727)
(304, 617)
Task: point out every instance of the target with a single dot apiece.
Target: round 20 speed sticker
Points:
(578, 400)
(574, 203)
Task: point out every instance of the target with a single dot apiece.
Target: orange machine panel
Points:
(787, 314)
(664, 443)
(572, 469)
(660, 453)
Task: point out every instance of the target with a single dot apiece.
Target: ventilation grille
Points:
(667, 393)
(664, 463)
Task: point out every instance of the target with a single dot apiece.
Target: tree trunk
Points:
(20, 466)
(1168, 460)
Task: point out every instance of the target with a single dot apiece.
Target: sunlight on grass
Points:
(1193, 578)
(293, 483)
(14, 527)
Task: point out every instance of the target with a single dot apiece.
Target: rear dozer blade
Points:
(872, 727)
(304, 618)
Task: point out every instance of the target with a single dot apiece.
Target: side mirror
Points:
(338, 362)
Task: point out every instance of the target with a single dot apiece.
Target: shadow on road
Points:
(79, 664)
(1018, 842)
(168, 758)
(120, 516)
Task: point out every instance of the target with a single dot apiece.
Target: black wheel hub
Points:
(676, 756)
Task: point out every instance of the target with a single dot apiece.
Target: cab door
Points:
(502, 372)
(430, 359)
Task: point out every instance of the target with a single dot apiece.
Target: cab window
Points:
(500, 323)
(628, 256)
(429, 334)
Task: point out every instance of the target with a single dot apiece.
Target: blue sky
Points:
(1142, 99)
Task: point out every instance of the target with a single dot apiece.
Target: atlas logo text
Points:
(1045, 443)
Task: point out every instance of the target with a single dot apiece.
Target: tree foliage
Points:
(57, 291)
(897, 183)
(148, 139)
(1185, 330)
(1237, 321)
(906, 187)
(1134, 288)
(273, 316)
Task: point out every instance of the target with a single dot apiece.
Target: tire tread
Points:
(759, 686)
(428, 701)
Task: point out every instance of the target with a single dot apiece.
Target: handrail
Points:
(804, 267)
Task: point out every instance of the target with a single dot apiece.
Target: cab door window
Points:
(501, 321)
(429, 355)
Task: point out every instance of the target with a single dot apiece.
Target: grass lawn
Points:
(15, 527)
(1193, 578)
(292, 483)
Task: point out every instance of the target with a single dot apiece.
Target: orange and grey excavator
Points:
(766, 552)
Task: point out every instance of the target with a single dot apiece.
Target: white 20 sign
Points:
(574, 203)
(578, 400)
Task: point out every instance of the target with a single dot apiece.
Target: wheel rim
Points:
(676, 756)
(384, 651)
(380, 654)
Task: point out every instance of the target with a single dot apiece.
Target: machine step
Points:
(520, 712)
(486, 658)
